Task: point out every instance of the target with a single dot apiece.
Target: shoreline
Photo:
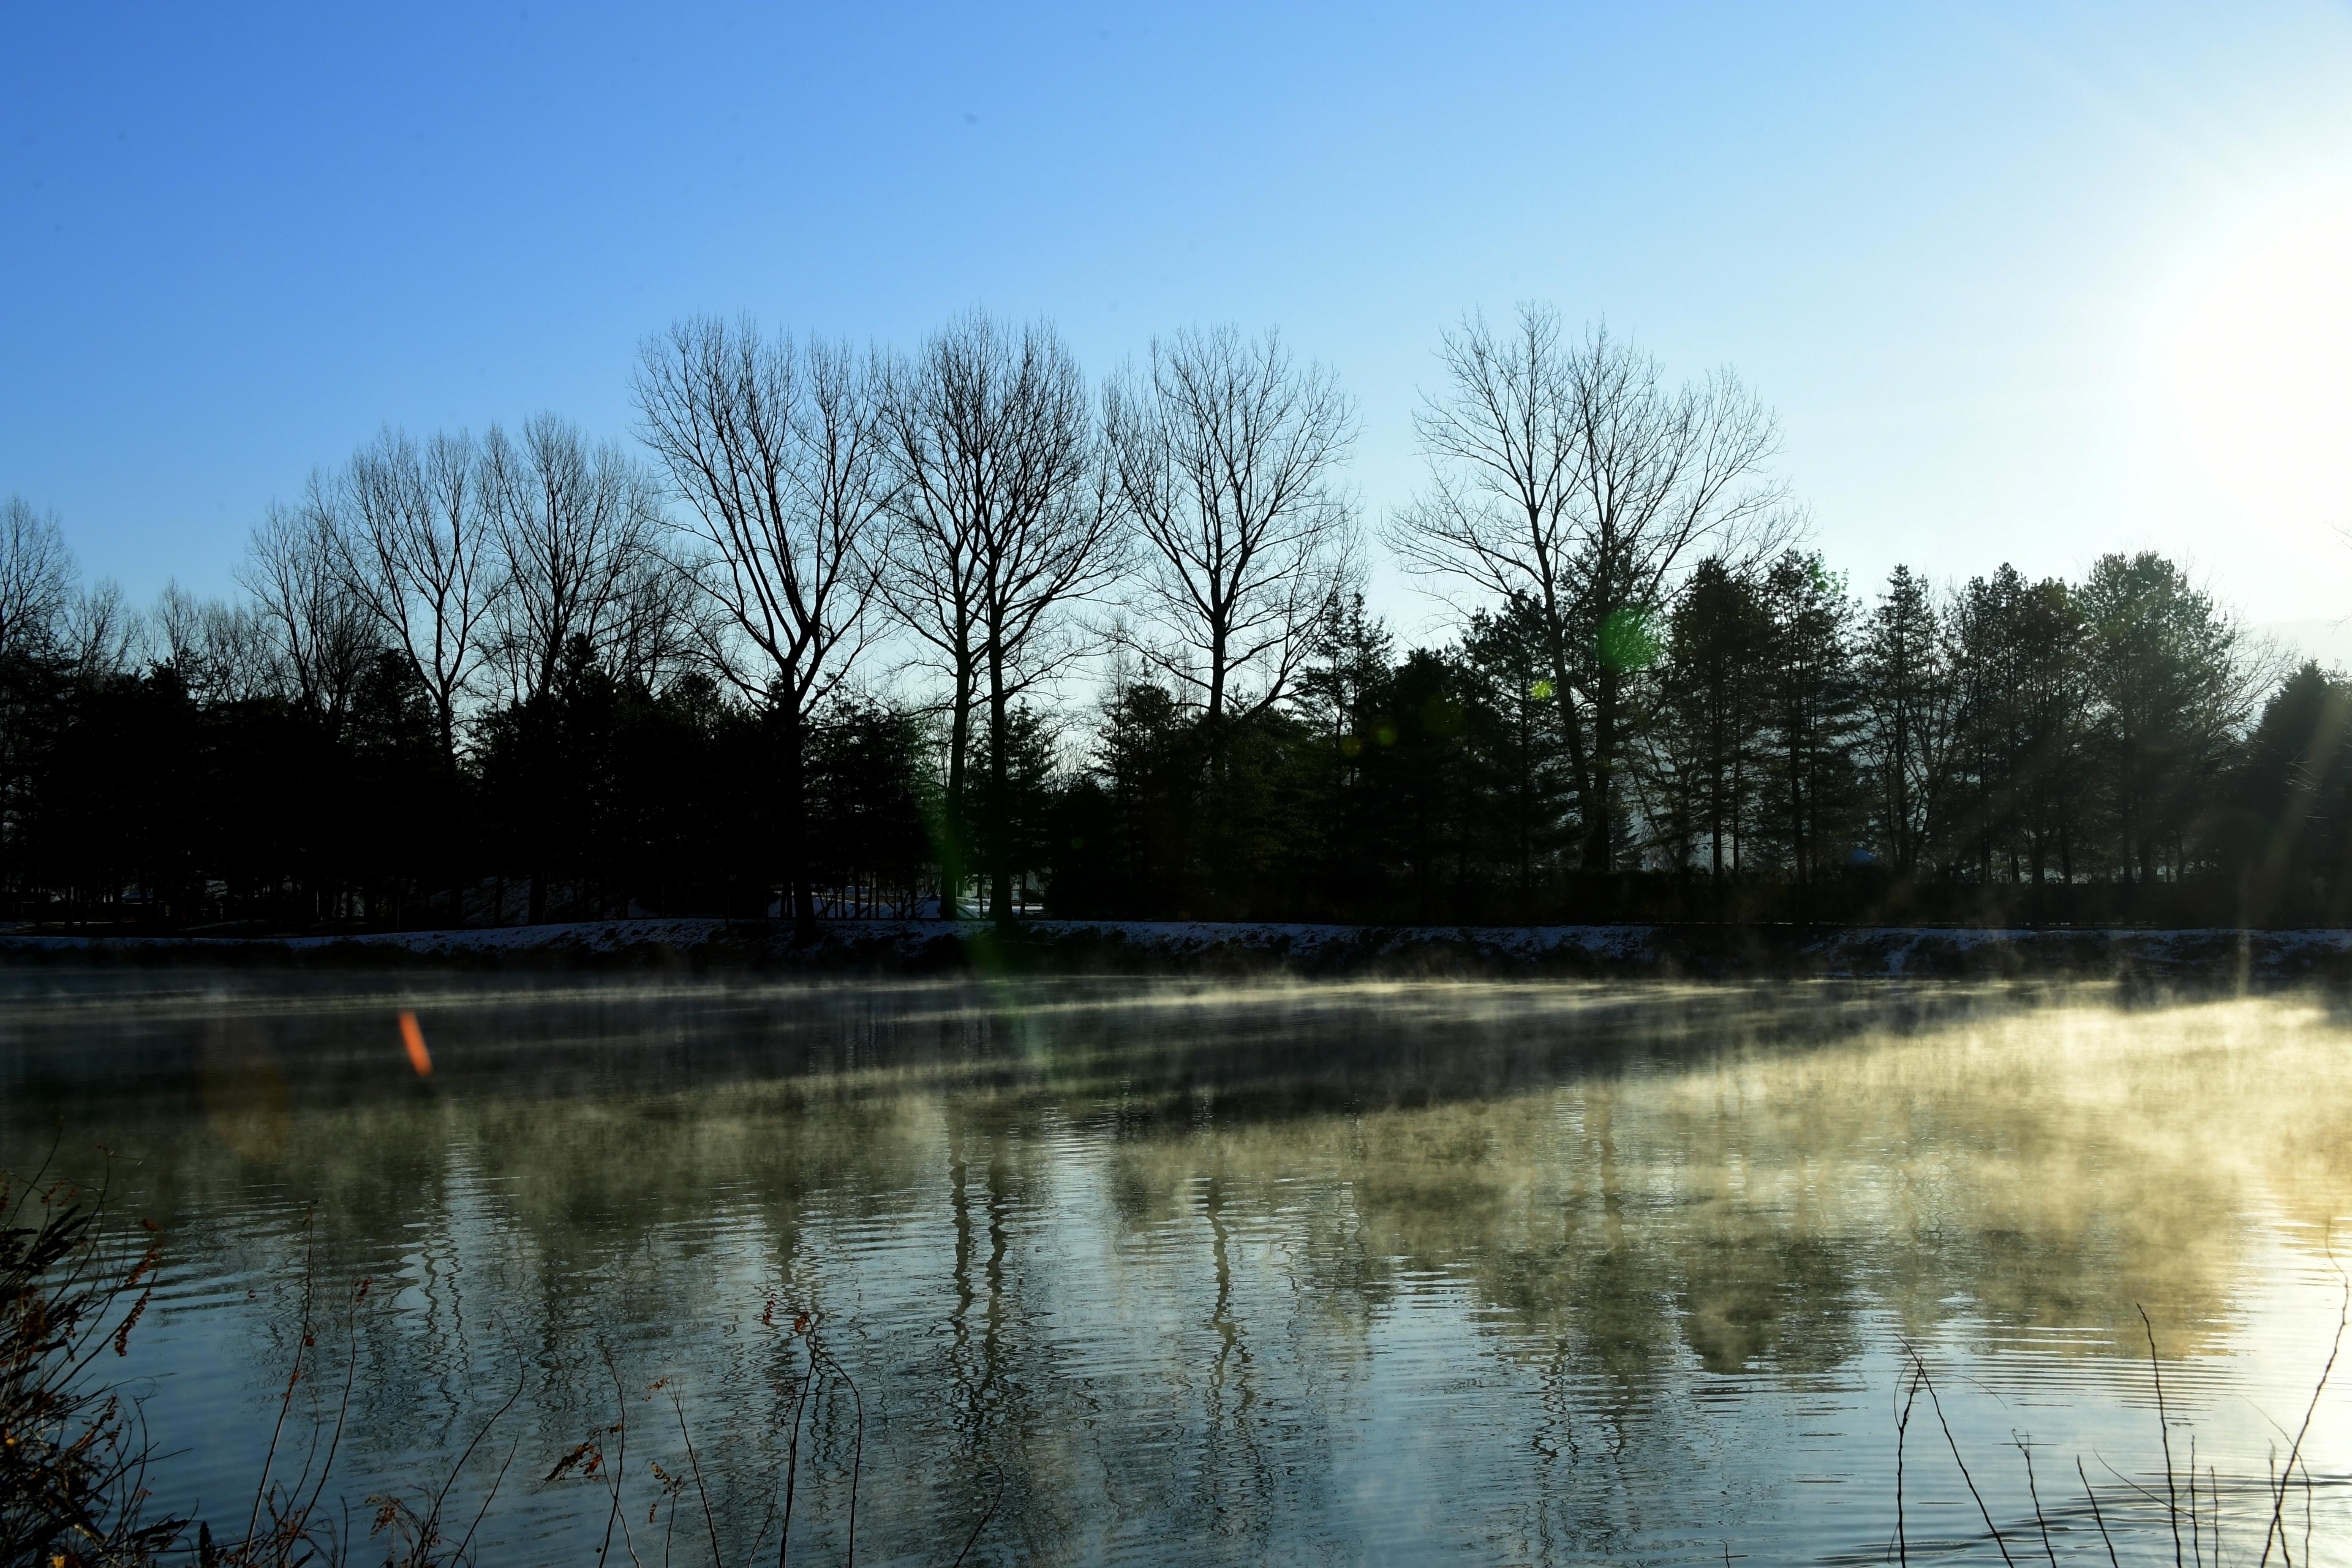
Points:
(2209, 956)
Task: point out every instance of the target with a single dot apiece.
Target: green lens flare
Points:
(1628, 639)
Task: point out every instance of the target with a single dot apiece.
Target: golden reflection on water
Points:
(1209, 1273)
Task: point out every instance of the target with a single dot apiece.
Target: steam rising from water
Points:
(1206, 1273)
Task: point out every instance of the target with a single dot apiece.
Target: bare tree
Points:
(777, 451)
(1008, 519)
(1567, 474)
(325, 635)
(36, 587)
(35, 576)
(175, 625)
(98, 630)
(1224, 451)
(416, 540)
(662, 625)
(577, 527)
(220, 652)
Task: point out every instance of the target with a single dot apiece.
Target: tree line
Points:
(846, 632)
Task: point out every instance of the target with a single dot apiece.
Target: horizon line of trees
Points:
(814, 644)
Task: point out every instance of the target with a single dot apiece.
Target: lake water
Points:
(1221, 1272)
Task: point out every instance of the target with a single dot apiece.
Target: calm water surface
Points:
(1211, 1273)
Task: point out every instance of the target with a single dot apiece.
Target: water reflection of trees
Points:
(1151, 1264)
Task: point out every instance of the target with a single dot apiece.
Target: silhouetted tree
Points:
(326, 638)
(1714, 706)
(417, 547)
(1014, 836)
(871, 805)
(1808, 684)
(35, 577)
(2169, 688)
(1905, 711)
(2290, 837)
(779, 452)
(1522, 772)
(1225, 452)
(577, 527)
(1568, 475)
(1123, 843)
(1007, 519)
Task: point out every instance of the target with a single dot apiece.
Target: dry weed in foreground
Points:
(2204, 1544)
(74, 1452)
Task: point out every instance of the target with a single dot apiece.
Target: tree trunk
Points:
(1715, 790)
(1797, 845)
(1000, 879)
(950, 846)
(1571, 733)
(1600, 838)
(798, 896)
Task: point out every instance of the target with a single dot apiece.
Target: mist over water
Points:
(1211, 1271)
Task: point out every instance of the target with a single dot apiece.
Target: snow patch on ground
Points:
(1116, 945)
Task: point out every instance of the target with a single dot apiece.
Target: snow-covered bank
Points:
(1199, 946)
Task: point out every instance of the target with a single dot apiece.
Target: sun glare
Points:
(2256, 377)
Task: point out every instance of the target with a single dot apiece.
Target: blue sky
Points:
(2027, 283)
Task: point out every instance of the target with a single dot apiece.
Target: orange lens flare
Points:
(414, 1038)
